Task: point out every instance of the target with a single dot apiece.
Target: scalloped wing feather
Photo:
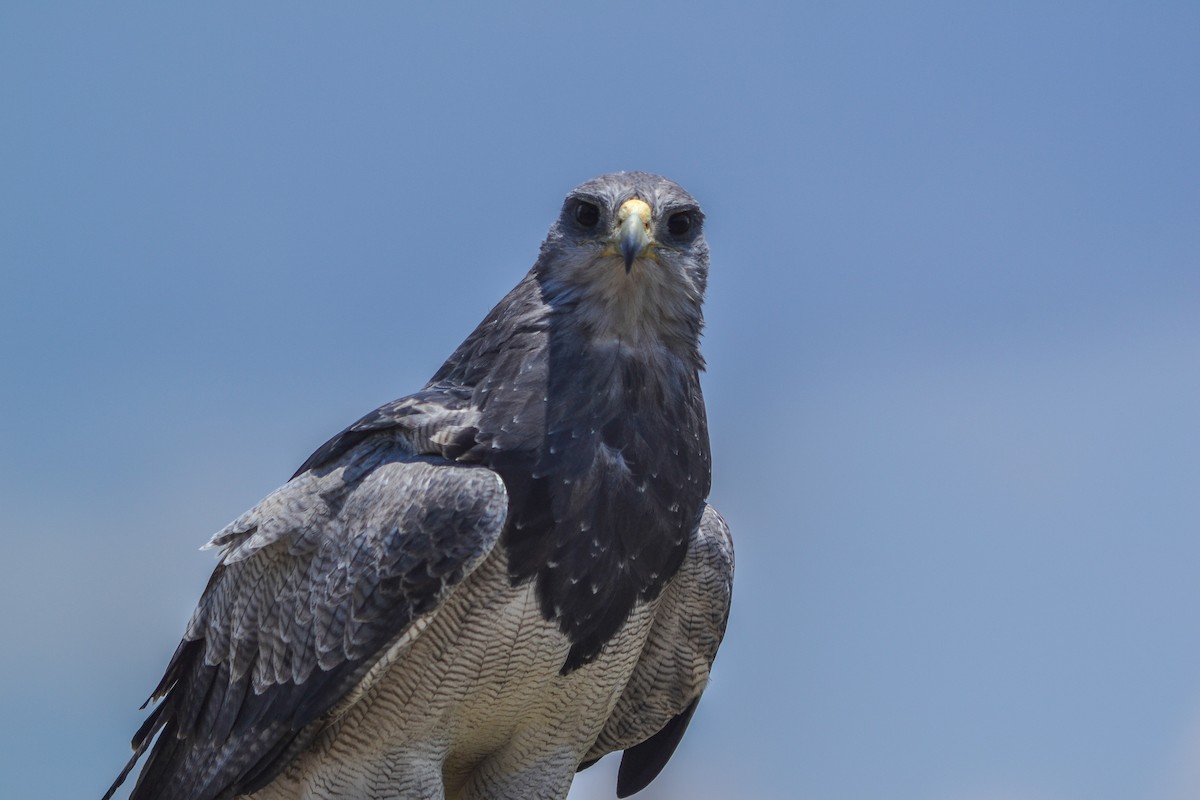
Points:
(316, 583)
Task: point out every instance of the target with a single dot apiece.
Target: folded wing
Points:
(316, 583)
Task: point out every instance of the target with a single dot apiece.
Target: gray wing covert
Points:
(441, 419)
(653, 712)
(314, 585)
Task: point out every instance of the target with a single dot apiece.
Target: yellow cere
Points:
(634, 206)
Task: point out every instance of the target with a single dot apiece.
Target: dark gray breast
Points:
(604, 452)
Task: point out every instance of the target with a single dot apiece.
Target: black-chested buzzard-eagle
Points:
(481, 588)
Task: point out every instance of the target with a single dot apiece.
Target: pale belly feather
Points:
(474, 702)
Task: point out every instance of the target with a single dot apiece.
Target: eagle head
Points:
(627, 255)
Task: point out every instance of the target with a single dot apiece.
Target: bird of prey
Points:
(481, 588)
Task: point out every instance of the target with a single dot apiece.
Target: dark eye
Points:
(586, 214)
(679, 224)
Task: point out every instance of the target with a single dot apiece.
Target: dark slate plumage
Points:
(580, 391)
(600, 509)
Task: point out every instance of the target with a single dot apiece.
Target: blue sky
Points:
(953, 337)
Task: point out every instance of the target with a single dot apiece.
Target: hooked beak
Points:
(633, 236)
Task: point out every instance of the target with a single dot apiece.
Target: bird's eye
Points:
(679, 224)
(586, 214)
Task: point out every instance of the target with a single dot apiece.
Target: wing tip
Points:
(643, 762)
(139, 748)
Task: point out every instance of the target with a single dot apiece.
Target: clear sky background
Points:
(953, 335)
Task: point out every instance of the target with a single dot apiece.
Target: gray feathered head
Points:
(627, 255)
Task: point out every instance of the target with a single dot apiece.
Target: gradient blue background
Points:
(953, 334)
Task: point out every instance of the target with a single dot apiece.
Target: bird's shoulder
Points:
(440, 420)
(503, 361)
